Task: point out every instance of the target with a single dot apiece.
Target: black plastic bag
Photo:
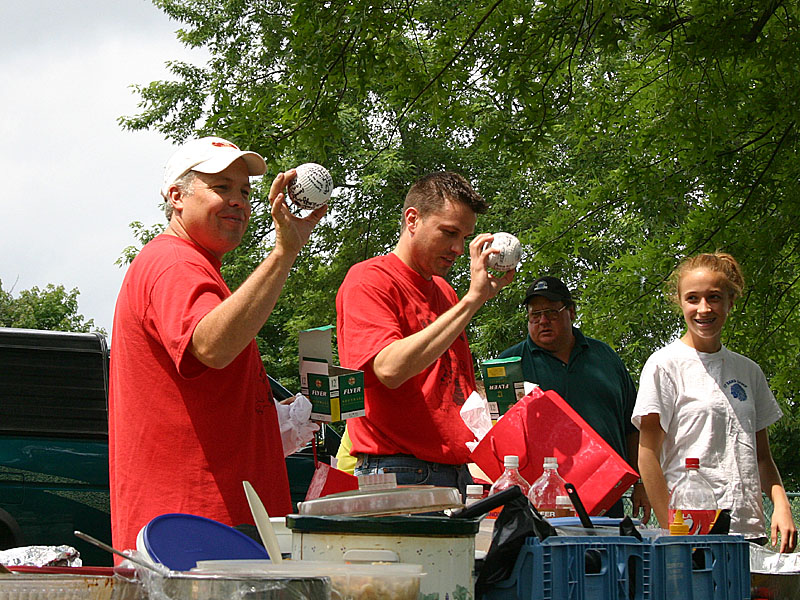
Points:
(626, 527)
(517, 521)
(722, 524)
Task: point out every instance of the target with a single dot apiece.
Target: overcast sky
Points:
(74, 180)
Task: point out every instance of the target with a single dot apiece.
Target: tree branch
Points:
(324, 78)
(788, 314)
(674, 24)
(589, 214)
(703, 242)
(753, 188)
(435, 78)
(746, 144)
(761, 22)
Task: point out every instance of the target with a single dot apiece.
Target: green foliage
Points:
(52, 308)
(143, 235)
(612, 137)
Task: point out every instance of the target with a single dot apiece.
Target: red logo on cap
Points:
(224, 145)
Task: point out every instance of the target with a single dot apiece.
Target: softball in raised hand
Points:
(510, 252)
(312, 187)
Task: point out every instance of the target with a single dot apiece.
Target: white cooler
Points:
(445, 547)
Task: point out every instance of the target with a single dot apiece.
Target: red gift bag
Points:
(543, 424)
(328, 479)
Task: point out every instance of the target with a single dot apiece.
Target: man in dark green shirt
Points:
(586, 372)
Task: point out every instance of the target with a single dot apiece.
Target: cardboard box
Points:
(504, 383)
(336, 393)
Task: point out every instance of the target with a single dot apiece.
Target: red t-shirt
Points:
(183, 436)
(382, 300)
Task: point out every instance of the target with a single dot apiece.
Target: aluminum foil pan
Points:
(192, 586)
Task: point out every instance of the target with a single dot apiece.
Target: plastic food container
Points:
(179, 540)
(348, 581)
(444, 547)
(206, 586)
(393, 501)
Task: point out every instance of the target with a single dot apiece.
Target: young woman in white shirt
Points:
(698, 399)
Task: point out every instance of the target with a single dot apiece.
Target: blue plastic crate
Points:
(621, 568)
(699, 567)
(556, 570)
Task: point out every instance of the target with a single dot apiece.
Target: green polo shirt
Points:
(594, 382)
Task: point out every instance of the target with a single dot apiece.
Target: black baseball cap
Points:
(551, 288)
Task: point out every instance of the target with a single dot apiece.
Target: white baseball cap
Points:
(208, 155)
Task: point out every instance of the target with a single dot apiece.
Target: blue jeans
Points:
(409, 470)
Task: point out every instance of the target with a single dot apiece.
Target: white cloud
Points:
(74, 179)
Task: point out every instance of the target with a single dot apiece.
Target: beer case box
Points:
(336, 393)
(504, 384)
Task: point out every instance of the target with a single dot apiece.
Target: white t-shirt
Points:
(711, 406)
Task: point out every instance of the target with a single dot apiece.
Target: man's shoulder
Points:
(370, 271)
(366, 279)
(595, 344)
(164, 245)
(515, 350)
(601, 350)
(158, 250)
(165, 253)
(171, 247)
(380, 262)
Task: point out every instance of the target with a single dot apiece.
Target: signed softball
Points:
(312, 187)
(510, 252)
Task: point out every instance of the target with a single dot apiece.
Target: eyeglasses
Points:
(551, 314)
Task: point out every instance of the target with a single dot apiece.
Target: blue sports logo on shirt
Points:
(738, 392)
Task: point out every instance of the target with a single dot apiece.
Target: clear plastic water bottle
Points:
(564, 507)
(474, 493)
(694, 498)
(483, 539)
(510, 477)
(545, 490)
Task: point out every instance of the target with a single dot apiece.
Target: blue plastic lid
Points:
(179, 540)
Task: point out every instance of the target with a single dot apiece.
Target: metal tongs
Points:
(158, 568)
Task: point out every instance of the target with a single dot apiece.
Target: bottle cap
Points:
(474, 490)
(692, 463)
(678, 527)
(550, 462)
(511, 461)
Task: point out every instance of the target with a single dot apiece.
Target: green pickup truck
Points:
(54, 441)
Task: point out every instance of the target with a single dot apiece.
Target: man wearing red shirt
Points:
(191, 413)
(401, 323)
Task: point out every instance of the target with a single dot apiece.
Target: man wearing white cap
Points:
(191, 413)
